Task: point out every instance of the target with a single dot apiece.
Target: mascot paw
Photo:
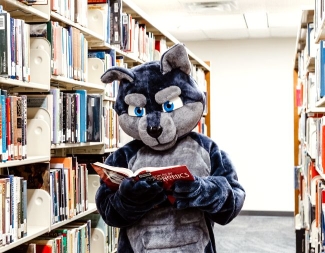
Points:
(138, 193)
(200, 193)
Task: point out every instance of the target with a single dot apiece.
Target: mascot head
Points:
(158, 102)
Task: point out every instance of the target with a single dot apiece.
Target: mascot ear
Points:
(175, 57)
(117, 73)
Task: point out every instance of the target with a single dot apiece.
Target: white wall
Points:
(252, 115)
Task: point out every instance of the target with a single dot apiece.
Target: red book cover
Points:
(113, 176)
(8, 113)
(43, 248)
(97, 1)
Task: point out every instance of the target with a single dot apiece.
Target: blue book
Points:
(97, 54)
(4, 152)
(83, 115)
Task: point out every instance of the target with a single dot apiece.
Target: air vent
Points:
(217, 6)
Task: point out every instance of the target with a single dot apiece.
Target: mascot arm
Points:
(132, 200)
(123, 208)
(219, 195)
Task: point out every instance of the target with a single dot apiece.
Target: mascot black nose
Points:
(154, 132)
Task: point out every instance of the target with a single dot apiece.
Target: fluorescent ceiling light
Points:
(219, 6)
(256, 20)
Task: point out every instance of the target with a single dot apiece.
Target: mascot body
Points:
(159, 104)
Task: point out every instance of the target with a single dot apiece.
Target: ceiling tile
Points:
(228, 34)
(205, 23)
(259, 33)
(175, 17)
(284, 19)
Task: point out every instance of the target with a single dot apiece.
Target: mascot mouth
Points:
(163, 146)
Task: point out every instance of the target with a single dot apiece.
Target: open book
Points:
(113, 176)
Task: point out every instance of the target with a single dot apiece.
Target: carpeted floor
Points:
(256, 234)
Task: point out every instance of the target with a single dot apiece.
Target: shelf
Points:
(109, 150)
(321, 102)
(75, 145)
(91, 208)
(36, 13)
(29, 160)
(33, 232)
(310, 66)
(320, 33)
(307, 16)
(90, 35)
(67, 83)
(106, 98)
(16, 85)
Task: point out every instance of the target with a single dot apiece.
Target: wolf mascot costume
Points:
(159, 104)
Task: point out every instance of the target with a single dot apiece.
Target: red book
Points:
(8, 129)
(113, 176)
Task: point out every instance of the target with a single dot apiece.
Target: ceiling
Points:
(195, 20)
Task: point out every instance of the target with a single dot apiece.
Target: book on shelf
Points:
(24, 248)
(113, 176)
(5, 43)
(94, 117)
(115, 22)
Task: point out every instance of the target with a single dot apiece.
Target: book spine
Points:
(77, 117)
(19, 137)
(8, 128)
(13, 48)
(5, 51)
(72, 117)
(24, 208)
(64, 117)
(14, 133)
(83, 113)
(24, 127)
(8, 211)
(56, 115)
(19, 73)
(61, 131)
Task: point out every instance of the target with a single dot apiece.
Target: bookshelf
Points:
(309, 112)
(39, 127)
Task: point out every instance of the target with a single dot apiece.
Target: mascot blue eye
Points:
(136, 111)
(172, 105)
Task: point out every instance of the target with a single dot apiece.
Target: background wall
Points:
(252, 115)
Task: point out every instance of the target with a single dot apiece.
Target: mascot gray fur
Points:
(159, 104)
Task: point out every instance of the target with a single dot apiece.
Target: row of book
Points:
(311, 204)
(13, 126)
(69, 49)
(63, 178)
(76, 115)
(14, 47)
(123, 31)
(13, 208)
(85, 235)
(74, 10)
(74, 237)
